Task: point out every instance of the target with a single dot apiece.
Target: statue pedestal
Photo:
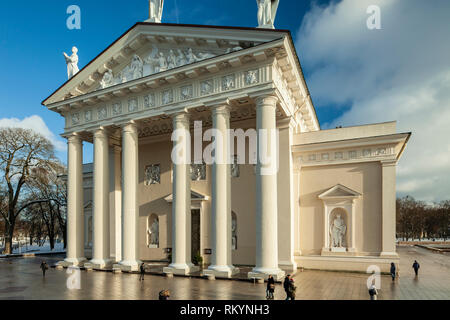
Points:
(153, 246)
(341, 249)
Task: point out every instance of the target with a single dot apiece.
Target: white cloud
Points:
(37, 124)
(401, 72)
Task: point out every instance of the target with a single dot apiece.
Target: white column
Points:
(181, 204)
(75, 209)
(115, 204)
(286, 219)
(130, 213)
(266, 191)
(221, 265)
(388, 169)
(100, 251)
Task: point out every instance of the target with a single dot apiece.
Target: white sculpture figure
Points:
(190, 56)
(181, 58)
(338, 229)
(162, 62)
(154, 233)
(136, 67)
(107, 79)
(171, 60)
(267, 10)
(72, 63)
(156, 10)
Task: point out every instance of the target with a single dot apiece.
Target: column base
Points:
(221, 271)
(75, 262)
(180, 269)
(385, 254)
(290, 267)
(128, 265)
(98, 264)
(263, 273)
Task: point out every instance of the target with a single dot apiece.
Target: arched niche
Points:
(339, 214)
(234, 225)
(153, 231)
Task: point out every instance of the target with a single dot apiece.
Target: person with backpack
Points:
(270, 288)
(373, 292)
(416, 267)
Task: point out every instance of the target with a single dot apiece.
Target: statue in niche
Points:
(337, 230)
(72, 63)
(107, 79)
(154, 233)
(233, 233)
(152, 175)
(235, 172)
(156, 10)
(267, 10)
(136, 67)
(198, 172)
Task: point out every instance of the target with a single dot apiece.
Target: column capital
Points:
(222, 109)
(129, 126)
(181, 117)
(266, 100)
(100, 132)
(219, 103)
(73, 138)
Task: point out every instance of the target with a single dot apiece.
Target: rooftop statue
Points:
(156, 9)
(72, 63)
(267, 11)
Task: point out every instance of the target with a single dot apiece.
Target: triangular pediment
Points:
(148, 49)
(195, 196)
(339, 191)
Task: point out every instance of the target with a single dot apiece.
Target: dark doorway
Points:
(195, 233)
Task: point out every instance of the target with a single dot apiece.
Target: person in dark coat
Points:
(286, 286)
(292, 289)
(393, 271)
(416, 267)
(270, 288)
(142, 272)
(44, 268)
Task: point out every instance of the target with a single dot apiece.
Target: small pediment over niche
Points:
(339, 192)
(195, 196)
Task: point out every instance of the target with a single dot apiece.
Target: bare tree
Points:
(21, 151)
(47, 184)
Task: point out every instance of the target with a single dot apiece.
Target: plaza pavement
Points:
(21, 278)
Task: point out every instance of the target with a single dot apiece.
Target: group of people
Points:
(373, 292)
(288, 284)
(394, 272)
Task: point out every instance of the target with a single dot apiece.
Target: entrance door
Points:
(195, 232)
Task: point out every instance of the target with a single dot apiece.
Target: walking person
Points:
(393, 271)
(142, 272)
(373, 292)
(44, 267)
(416, 267)
(292, 289)
(270, 287)
(286, 286)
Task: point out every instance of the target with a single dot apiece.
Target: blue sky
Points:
(33, 35)
(355, 75)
